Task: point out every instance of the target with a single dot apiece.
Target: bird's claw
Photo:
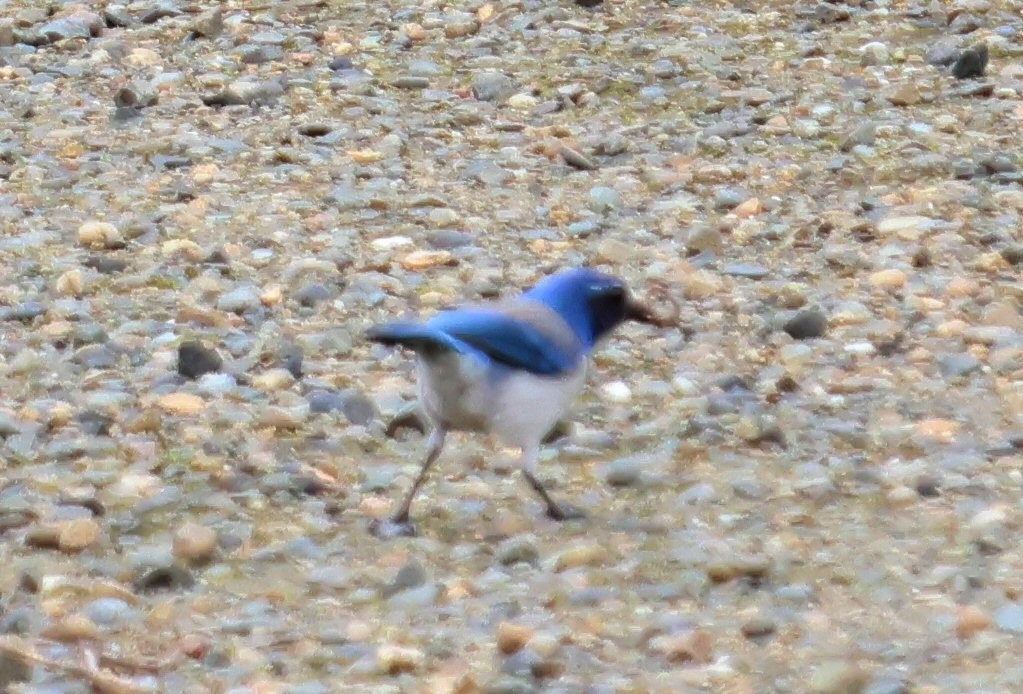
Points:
(390, 528)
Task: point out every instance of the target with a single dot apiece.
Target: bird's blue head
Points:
(591, 302)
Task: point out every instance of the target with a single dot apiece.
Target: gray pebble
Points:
(1010, 618)
(518, 549)
(958, 365)
(239, 300)
(492, 86)
(806, 324)
(111, 612)
(624, 472)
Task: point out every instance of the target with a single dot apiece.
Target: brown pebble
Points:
(512, 637)
(76, 535)
(73, 627)
(970, 619)
(194, 646)
(194, 542)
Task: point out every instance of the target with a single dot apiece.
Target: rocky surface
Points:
(813, 483)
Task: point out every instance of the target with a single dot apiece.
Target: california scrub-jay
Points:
(510, 368)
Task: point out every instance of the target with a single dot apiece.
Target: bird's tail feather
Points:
(415, 336)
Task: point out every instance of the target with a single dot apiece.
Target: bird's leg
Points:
(433, 448)
(398, 525)
(560, 512)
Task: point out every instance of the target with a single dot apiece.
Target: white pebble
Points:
(616, 391)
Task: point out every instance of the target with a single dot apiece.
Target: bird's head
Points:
(591, 302)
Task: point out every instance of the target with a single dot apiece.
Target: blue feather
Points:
(502, 339)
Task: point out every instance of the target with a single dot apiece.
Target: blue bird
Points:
(510, 368)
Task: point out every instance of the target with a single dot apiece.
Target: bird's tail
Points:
(415, 336)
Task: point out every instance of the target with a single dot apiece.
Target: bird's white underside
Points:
(458, 393)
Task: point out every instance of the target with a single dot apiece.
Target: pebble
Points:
(194, 542)
(836, 677)
(239, 300)
(393, 659)
(512, 637)
(971, 63)
(1010, 618)
(517, 549)
(181, 403)
(579, 555)
(970, 620)
(95, 234)
(76, 535)
(624, 472)
(111, 612)
(196, 359)
(604, 199)
(807, 324)
(492, 86)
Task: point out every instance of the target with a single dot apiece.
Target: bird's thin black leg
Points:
(559, 512)
(434, 447)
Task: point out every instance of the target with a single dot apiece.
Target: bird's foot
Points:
(391, 528)
(564, 512)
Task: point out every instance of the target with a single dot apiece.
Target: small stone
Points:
(704, 237)
(958, 365)
(411, 575)
(971, 63)
(1010, 618)
(695, 646)
(100, 235)
(863, 134)
(748, 208)
(577, 159)
(239, 300)
(522, 101)
(73, 627)
(874, 53)
(459, 24)
(579, 555)
(907, 94)
(746, 270)
(492, 86)
(616, 391)
(517, 549)
(512, 637)
(806, 324)
(181, 403)
(164, 578)
(970, 620)
(194, 542)
(196, 359)
(110, 612)
(664, 69)
(701, 284)
(209, 23)
(604, 199)
(76, 535)
(836, 677)
(892, 278)
(273, 379)
(758, 627)
(70, 283)
(423, 260)
(411, 82)
(624, 472)
(394, 660)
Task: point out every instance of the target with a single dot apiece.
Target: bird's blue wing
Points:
(508, 340)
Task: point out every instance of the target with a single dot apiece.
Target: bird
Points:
(510, 368)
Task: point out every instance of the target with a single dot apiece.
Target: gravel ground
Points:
(811, 485)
